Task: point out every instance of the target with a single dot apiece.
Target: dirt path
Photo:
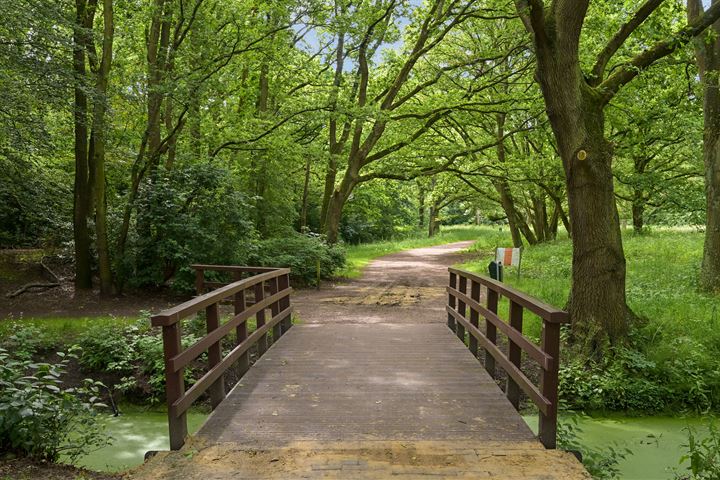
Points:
(405, 287)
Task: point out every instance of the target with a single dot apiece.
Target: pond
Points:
(655, 441)
(135, 431)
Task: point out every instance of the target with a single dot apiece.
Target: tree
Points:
(575, 101)
(707, 54)
(378, 107)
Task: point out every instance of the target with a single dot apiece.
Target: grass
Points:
(662, 272)
(62, 329)
(358, 256)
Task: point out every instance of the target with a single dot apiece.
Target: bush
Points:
(189, 215)
(40, 419)
(703, 454)
(136, 352)
(301, 253)
(628, 380)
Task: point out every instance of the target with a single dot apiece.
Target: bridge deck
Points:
(365, 382)
(371, 385)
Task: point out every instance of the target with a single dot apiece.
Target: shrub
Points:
(703, 454)
(106, 350)
(301, 253)
(136, 352)
(39, 418)
(194, 214)
(26, 341)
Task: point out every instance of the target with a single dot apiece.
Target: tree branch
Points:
(661, 49)
(620, 37)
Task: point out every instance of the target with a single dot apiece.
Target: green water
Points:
(655, 441)
(135, 432)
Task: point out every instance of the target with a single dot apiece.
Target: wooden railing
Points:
(267, 288)
(547, 355)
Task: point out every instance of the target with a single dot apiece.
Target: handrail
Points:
(547, 355)
(273, 281)
(542, 310)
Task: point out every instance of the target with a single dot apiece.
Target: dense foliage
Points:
(39, 416)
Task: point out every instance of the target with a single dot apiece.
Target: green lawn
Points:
(662, 272)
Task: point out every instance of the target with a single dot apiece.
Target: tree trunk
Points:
(82, 190)
(334, 215)
(432, 220)
(597, 301)
(515, 221)
(710, 273)
(305, 197)
(707, 53)
(638, 212)
(421, 207)
(99, 127)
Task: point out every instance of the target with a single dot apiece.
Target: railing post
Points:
(474, 316)
(174, 385)
(512, 390)
(550, 344)
(283, 284)
(260, 317)
(491, 330)
(451, 301)
(217, 389)
(199, 281)
(241, 332)
(275, 309)
(460, 328)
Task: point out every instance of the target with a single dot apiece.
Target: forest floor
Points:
(23, 469)
(20, 268)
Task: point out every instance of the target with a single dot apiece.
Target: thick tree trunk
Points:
(82, 189)
(432, 221)
(334, 216)
(99, 128)
(707, 52)
(597, 301)
(638, 212)
(710, 273)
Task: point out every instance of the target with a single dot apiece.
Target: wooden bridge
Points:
(362, 400)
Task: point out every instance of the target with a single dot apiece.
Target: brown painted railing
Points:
(268, 288)
(547, 355)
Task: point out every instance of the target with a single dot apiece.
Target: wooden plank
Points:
(365, 382)
(234, 268)
(174, 385)
(452, 301)
(174, 314)
(541, 309)
(217, 389)
(181, 405)
(527, 386)
(474, 316)
(543, 359)
(195, 350)
(512, 389)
